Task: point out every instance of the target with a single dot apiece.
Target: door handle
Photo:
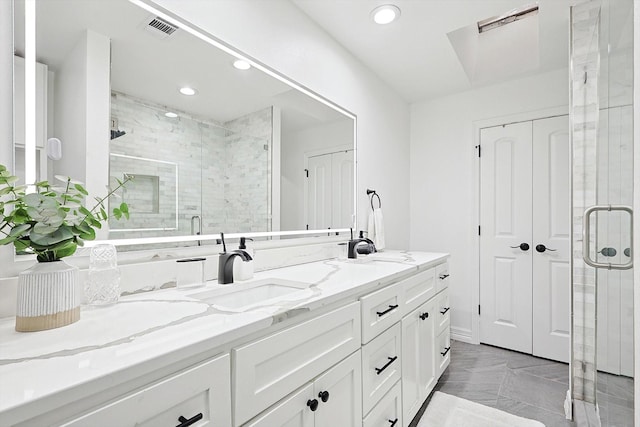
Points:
(608, 252)
(523, 247)
(586, 227)
(542, 248)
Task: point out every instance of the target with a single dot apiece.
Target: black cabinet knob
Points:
(542, 248)
(312, 404)
(393, 422)
(424, 316)
(324, 395)
(523, 247)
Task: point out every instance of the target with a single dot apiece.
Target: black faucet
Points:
(225, 265)
(352, 252)
(225, 262)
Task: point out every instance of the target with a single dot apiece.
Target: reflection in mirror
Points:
(245, 153)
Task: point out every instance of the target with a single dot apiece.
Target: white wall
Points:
(81, 121)
(279, 35)
(293, 179)
(443, 181)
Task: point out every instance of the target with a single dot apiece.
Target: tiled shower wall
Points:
(222, 169)
(585, 60)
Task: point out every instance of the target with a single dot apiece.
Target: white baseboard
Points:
(462, 334)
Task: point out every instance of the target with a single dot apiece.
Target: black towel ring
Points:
(373, 193)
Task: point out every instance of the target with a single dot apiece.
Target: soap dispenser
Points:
(243, 268)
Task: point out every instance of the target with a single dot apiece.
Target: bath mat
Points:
(445, 410)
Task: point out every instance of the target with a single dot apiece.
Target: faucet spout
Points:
(355, 243)
(225, 265)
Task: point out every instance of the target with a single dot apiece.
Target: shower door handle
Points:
(586, 226)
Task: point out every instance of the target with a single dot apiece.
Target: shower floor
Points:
(528, 386)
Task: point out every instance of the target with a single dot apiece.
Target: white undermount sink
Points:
(240, 296)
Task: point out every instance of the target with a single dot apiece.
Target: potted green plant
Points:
(51, 222)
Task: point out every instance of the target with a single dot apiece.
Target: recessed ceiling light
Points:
(187, 91)
(171, 115)
(241, 64)
(385, 14)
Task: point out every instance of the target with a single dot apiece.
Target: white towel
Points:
(376, 228)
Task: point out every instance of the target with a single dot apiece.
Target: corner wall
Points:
(443, 179)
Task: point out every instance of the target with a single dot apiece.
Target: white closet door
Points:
(506, 214)
(342, 197)
(319, 192)
(552, 229)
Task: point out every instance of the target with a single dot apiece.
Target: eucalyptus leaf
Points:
(81, 189)
(63, 233)
(19, 230)
(42, 228)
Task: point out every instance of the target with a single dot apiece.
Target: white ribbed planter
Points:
(47, 297)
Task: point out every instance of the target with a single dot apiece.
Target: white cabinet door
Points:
(341, 387)
(293, 411)
(505, 215)
(418, 364)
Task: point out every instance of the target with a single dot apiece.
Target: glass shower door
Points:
(602, 196)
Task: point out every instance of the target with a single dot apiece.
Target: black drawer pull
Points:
(324, 396)
(391, 360)
(312, 404)
(424, 316)
(446, 350)
(393, 422)
(445, 310)
(187, 422)
(444, 276)
(391, 308)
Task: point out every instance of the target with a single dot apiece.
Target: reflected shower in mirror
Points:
(130, 93)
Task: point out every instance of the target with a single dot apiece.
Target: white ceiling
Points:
(414, 56)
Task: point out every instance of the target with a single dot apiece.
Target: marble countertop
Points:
(155, 326)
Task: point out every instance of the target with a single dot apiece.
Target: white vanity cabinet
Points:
(199, 396)
(333, 399)
(425, 337)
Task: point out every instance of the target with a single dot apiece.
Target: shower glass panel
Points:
(602, 145)
(613, 235)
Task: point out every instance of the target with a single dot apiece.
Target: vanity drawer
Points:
(268, 369)
(388, 412)
(381, 366)
(442, 276)
(204, 389)
(418, 289)
(380, 310)
(443, 351)
(443, 311)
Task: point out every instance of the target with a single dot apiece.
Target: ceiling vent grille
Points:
(159, 27)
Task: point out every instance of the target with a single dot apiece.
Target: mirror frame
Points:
(30, 144)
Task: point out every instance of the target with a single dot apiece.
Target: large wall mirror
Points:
(246, 152)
